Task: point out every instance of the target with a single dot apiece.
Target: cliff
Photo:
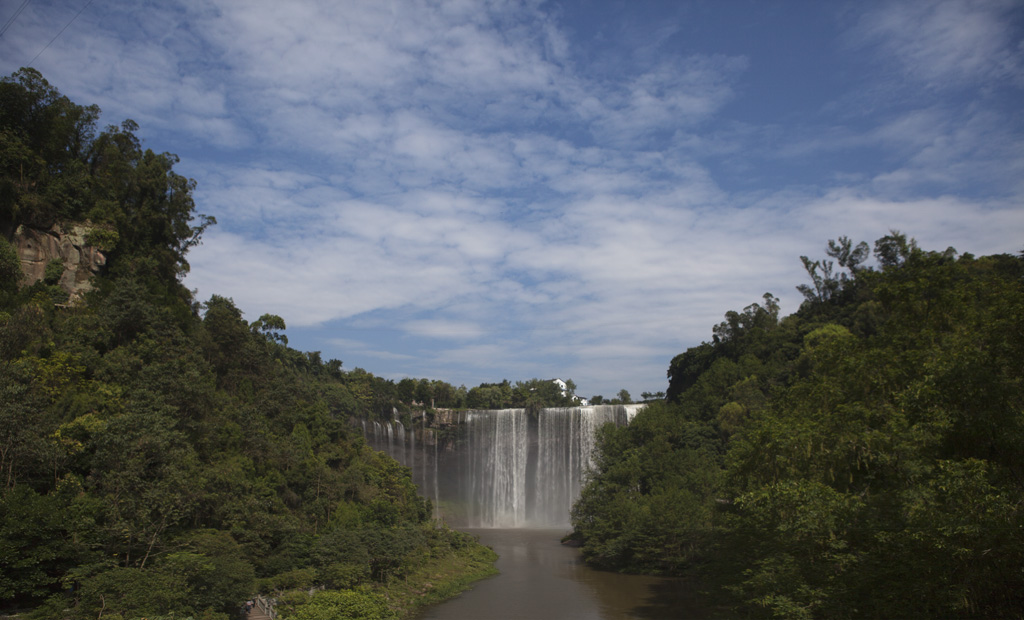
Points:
(37, 248)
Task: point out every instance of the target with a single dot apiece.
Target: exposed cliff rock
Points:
(37, 248)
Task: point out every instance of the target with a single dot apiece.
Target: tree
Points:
(44, 139)
(406, 390)
(425, 392)
(269, 325)
(150, 205)
(648, 505)
(214, 567)
(157, 454)
(865, 449)
(825, 284)
(226, 332)
(10, 270)
(145, 473)
(34, 549)
(847, 255)
(893, 249)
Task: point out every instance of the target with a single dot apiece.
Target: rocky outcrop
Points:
(444, 417)
(37, 248)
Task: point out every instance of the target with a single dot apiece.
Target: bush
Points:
(344, 605)
(54, 271)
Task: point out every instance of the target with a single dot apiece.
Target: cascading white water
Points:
(495, 459)
(565, 444)
(503, 468)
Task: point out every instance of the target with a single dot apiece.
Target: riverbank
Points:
(440, 579)
(446, 572)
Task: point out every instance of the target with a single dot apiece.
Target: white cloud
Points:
(452, 175)
(672, 95)
(940, 43)
(435, 328)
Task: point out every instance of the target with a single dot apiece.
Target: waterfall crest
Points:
(501, 468)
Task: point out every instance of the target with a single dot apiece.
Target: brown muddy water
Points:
(542, 579)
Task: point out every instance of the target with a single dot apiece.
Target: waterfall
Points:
(502, 468)
(495, 457)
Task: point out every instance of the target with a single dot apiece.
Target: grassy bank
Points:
(440, 579)
(432, 577)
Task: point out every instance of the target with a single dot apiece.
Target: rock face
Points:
(37, 248)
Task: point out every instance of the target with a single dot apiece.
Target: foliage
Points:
(161, 457)
(55, 167)
(647, 507)
(10, 270)
(344, 605)
(858, 459)
(455, 562)
(533, 394)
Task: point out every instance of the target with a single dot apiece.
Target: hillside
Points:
(164, 457)
(860, 458)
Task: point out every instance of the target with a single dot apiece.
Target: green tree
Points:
(160, 457)
(648, 506)
(212, 565)
(10, 271)
(151, 206)
(858, 452)
(44, 140)
(893, 249)
(425, 392)
(406, 390)
(34, 549)
(270, 326)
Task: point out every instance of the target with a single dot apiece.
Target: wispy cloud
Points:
(944, 43)
(477, 191)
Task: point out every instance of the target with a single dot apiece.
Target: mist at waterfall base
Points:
(507, 468)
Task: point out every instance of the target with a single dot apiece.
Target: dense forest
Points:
(161, 457)
(861, 458)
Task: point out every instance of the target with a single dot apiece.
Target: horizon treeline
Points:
(860, 458)
(161, 457)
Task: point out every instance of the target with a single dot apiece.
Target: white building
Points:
(582, 402)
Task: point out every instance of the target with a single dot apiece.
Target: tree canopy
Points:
(55, 167)
(165, 458)
(857, 459)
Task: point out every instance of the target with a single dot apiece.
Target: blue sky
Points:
(472, 191)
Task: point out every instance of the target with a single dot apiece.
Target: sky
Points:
(481, 190)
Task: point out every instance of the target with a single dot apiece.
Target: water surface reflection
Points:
(541, 578)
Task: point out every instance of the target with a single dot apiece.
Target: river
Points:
(542, 579)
